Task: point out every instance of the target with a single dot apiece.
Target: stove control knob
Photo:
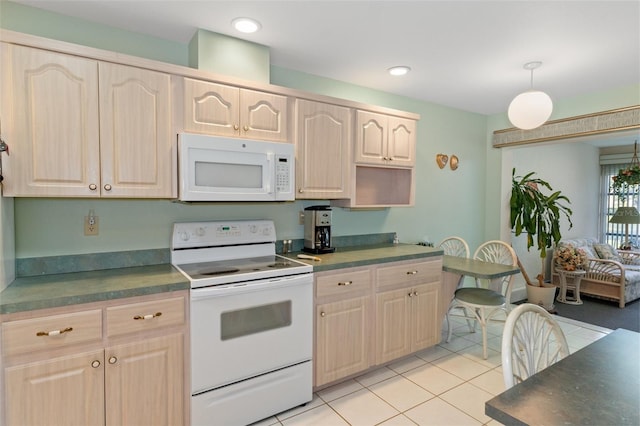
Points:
(253, 229)
(200, 231)
(184, 235)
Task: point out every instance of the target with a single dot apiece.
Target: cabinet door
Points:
(144, 382)
(137, 151)
(371, 138)
(323, 142)
(393, 325)
(401, 146)
(62, 391)
(342, 336)
(264, 116)
(50, 121)
(211, 108)
(426, 317)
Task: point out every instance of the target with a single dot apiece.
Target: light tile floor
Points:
(444, 385)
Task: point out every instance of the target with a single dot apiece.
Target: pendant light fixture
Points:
(532, 108)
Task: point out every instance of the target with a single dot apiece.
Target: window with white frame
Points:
(614, 233)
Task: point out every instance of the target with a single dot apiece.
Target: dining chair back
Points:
(531, 341)
(498, 252)
(482, 303)
(454, 246)
(458, 247)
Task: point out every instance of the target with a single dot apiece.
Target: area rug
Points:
(603, 313)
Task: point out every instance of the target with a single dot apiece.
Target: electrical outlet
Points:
(301, 218)
(91, 225)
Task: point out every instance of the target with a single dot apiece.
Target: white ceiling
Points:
(463, 54)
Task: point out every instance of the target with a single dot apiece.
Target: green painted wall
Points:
(17, 17)
(464, 202)
(226, 55)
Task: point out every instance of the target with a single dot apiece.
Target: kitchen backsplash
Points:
(90, 262)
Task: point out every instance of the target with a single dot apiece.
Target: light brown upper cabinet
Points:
(323, 142)
(384, 140)
(79, 127)
(222, 110)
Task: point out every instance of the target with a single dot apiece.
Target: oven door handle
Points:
(250, 286)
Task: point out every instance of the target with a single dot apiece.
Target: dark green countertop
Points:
(349, 257)
(596, 385)
(49, 291)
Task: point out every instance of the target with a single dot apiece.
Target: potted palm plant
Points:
(538, 215)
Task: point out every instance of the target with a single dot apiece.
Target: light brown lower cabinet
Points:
(86, 378)
(407, 320)
(68, 390)
(343, 330)
(372, 315)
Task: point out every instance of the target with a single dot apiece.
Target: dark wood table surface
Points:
(597, 385)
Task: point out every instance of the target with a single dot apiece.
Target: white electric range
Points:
(251, 321)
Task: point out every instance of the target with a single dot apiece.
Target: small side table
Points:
(577, 277)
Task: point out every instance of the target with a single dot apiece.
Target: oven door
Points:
(246, 329)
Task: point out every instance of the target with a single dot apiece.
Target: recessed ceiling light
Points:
(246, 25)
(399, 70)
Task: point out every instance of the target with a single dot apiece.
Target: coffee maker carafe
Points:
(317, 230)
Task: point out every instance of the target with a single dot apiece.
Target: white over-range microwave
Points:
(212, 168)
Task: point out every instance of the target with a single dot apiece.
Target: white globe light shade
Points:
(530, 109)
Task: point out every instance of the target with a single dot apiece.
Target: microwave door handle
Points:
(271, 170)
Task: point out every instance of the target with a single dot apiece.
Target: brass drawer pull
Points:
(345, 283)
(54, 332)
(322, 314)
(148, 316)
(412, 272)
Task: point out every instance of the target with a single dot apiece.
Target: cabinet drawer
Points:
(407, 274)
(50, 332)
(343, 283)
(143, 316)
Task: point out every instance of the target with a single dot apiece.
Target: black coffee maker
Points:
(317, 230)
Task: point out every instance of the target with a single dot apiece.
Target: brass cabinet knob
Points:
(107, 187)
(95, 364)
(246, 128)
(322, 314)
(236, 127)
(113, 360)
(93, 187)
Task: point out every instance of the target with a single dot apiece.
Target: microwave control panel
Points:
(283, 174)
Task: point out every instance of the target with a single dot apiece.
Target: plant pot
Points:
(541, 295)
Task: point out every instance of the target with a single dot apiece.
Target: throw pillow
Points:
(589, 250)
(605, 251)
